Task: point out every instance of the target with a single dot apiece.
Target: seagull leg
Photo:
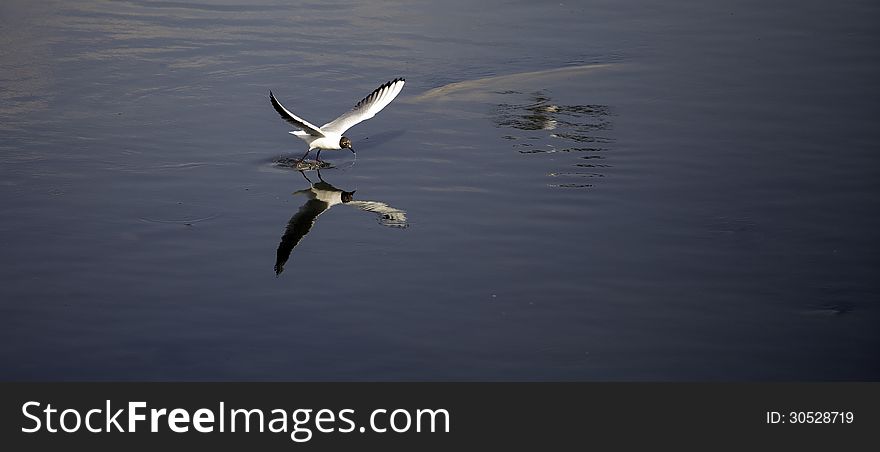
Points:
(318, 157)
(305, 155)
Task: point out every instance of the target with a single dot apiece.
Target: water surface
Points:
(609, 191)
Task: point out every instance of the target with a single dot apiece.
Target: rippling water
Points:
(563, 191)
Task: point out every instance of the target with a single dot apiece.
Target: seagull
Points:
(329, 136)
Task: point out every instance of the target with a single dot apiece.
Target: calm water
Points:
(695, 200)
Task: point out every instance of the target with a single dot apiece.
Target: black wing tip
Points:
(390, 82)
(277, 105)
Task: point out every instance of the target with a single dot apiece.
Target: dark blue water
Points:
(697, 202)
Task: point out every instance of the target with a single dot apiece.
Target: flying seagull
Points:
(329, 136)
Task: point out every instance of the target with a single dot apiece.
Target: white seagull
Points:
(329, 136)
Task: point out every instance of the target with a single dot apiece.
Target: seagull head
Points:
(347, 196)
(345, 143)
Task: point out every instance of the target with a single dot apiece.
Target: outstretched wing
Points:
(367, 107)
(299, 225)
(308, 127)
(388, 216)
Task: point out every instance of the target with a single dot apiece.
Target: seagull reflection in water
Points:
(321, 196)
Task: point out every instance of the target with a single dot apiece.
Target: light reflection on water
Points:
(548, 127)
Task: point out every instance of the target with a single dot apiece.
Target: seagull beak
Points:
(352, 150)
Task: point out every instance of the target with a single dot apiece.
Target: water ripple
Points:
(552, 128)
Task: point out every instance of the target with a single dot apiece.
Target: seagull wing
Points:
(308, 127)
(366, 108)
(299, 225)
(388, 216)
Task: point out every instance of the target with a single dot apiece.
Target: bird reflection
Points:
(321, 196)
